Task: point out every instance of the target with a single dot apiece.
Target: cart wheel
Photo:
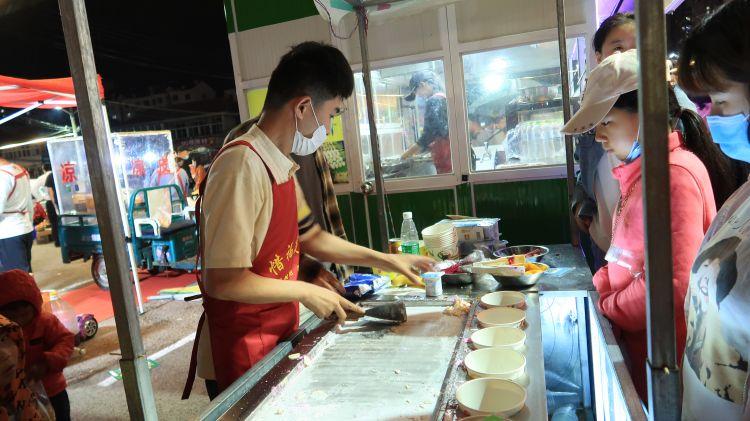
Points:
(90, 327)
(99, 271)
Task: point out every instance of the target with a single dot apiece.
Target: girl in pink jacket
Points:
(610, 105)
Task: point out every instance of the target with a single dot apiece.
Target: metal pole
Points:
(374, 143)
(72, 122)
(564, 78)
(136, 376)
(662, 372)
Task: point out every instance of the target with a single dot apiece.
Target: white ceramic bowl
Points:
(503, 299)
(501, 316)
(491, 397)
(499, 337)
(439, 230)
(499, 363)
(441, 240)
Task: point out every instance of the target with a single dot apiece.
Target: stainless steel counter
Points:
(569, 321)
(533, 380)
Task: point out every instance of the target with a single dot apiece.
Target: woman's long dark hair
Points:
(717, 50)
(696, 139)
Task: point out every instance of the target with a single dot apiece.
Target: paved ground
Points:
(164, 324)
(93, 397)
(51, 273)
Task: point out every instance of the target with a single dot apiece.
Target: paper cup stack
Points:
(441, 240)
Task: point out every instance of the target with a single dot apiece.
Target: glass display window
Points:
(514, 104)
(411, 114)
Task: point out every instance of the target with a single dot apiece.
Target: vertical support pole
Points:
(662, 373)
(374, 143)
(136, 376)
(565, 79)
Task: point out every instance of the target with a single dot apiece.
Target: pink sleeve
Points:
(627, 307)
(601, 279)
(59, 343)
(689, 210)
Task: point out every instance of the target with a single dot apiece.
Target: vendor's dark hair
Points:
(727, 277)
(696, 139)
(310, 68)
(608, 25)
(716, 50)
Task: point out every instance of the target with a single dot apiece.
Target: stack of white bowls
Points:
(441, 240)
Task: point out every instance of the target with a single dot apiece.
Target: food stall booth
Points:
(144, 167)
(499, 66)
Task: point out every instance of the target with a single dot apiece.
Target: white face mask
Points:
(307, 145)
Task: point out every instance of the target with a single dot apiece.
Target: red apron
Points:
(19, 173)
(440, 150)
(242, 334)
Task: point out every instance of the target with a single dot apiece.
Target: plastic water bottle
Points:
(409, 235)
(544, 142)
(534, 142)
(559, 142)
(64, 311)
(523, 142)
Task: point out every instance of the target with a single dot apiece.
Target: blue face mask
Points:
(730, 133)
(635, 152)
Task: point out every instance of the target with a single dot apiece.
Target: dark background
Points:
(138, 46)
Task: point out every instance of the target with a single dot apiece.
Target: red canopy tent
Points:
(43, 93)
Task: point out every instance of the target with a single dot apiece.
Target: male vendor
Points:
(248, 221)
(425, 84)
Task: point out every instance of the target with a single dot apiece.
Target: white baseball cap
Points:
(614, 76)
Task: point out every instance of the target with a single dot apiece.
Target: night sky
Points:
(137, 44)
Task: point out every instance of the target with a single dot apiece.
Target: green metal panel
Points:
(256, 13)
(360, 222)
(464, 199)
(532, 212)
(345, 207)
(427, 207)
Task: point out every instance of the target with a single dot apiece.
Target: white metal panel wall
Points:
(399, 37)
(263, 47)
(482, 19)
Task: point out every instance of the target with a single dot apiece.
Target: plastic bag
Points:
(627, 259)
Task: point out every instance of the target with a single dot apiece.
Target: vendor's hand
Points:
(37, 371)
(325, 303)
(403, 264)
(326, 279)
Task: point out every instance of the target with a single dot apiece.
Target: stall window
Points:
(333, 148)
(514, 104)
(411, 113)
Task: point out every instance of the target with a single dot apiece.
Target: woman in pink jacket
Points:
(610, 105)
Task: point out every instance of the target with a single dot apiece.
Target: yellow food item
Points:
(459, 307)
(402, 280)
(518, 260)
(533, 268)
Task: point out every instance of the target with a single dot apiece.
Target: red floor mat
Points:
(94, 300)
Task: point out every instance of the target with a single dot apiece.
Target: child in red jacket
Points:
(49, 344)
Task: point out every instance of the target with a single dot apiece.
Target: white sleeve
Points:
(6, 184)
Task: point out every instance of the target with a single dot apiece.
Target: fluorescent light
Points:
(32, 142)
(498, 64)
(150, 157)
(492, 83)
